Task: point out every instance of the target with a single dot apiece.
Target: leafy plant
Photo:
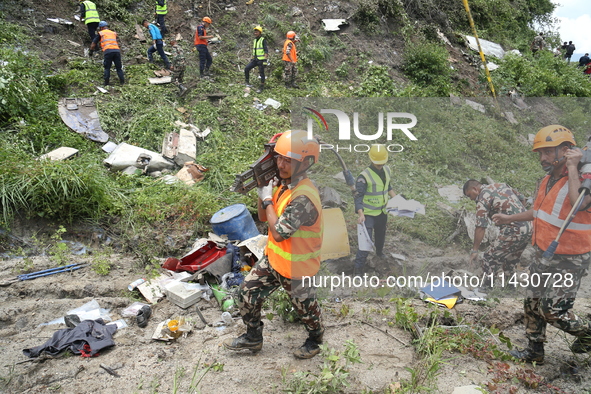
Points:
(101, 263)
(426, 64)
(59, 251)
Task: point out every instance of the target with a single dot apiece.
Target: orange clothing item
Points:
(290, 54)
(108, 39)
(550, 211)
(198, 40)
(299, 255)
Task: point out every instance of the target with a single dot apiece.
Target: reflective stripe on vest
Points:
(299, 255)
(90, 15)
(550, 211)
(198, 40)
(108, 39)
(376, 192)
(161, 10)
(258, 49)
(293, 56)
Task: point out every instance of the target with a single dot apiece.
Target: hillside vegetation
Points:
(391, 48)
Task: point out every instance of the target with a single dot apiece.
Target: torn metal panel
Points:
(488, 47)
(333, 24)
(187, 147)
(170, 145)
(160, 81)
(126, 155)
(60, 154)
(80, 115)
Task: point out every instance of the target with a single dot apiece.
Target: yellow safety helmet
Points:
(297, 146)
(260, 29)
(378, 154)
(552, 136)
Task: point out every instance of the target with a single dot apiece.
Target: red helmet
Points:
(207, 19)
(290, 34)
(297, 146)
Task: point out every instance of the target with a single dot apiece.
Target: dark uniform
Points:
(504, 252)
(179, 64)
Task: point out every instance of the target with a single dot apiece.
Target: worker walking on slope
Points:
(111, 52)
(200, 42)
(290, 60)
(179, 63)
(294, 213)
(161, 11)
(504, 252)
(260, 55)
(89, 15)
(372, 189)
(157, 43)
(551, 300)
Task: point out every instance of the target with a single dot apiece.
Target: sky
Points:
(574, 21)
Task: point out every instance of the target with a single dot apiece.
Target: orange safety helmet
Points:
(297, 146)
(207, 19)
(552, 136)
(290, 34)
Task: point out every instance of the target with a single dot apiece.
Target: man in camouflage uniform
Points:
(179, 64)
(294, 213)
(554, 281)
(538, 43)
(503, 253)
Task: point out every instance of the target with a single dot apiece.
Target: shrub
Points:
(426, 65)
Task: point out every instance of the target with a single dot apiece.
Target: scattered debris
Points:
(517, 100)
(488, 47)
(452, 192)
(363, 238)
(335, 238)
(441, 293)
(333, 24)
(490, 65)
(109, 147)
(172, 329)
(191, 173)
(476, 106)
(60, 154)
(110, 371)
(139, 33)
(399, 206)
(160, 81)
(102, 90)
(80, 115)
(74, 43)
(39, 274)
(187, 147)
(162, 73)
(273, 103)
(510, 117)
(126, 155)
(61, 21)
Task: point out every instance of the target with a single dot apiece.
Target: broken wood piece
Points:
(385, 332)
(160, 81)
(109, 370)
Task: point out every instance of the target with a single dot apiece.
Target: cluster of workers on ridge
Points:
(107, 39)
(566, 51)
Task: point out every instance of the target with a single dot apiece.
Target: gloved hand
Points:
(266, 192)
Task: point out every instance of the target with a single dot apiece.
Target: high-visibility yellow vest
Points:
(299, 255)
(108, 39)
(161, 10)
(258, 50)
(376, 192)
(550, 211)
(91, 14)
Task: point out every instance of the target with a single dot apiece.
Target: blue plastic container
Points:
(234, 221)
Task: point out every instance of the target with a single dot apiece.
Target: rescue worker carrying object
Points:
(552, 300)
(294, 213)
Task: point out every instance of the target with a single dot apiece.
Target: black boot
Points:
(295, 85)
(311, 347)
(581, 344)
(288, 84)
(261, 88)
(106, 82)
(252, 340)
(534, 352)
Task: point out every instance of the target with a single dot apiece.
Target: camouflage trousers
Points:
(178, 74)
(290, 71)
(551, 302)
(261, 282)
(504, 252)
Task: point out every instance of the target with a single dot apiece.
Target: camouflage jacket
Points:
(298, 212)
(178, 56)
(500, 198)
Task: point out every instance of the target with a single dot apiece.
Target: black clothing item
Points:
(92, 332)
(254, 63)
(584, 60)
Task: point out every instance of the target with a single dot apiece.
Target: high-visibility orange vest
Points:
(198, 40)
(293, 55)
(550, 211)
(299, 255)
(108, 39)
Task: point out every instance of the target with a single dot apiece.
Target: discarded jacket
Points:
(90, 333)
